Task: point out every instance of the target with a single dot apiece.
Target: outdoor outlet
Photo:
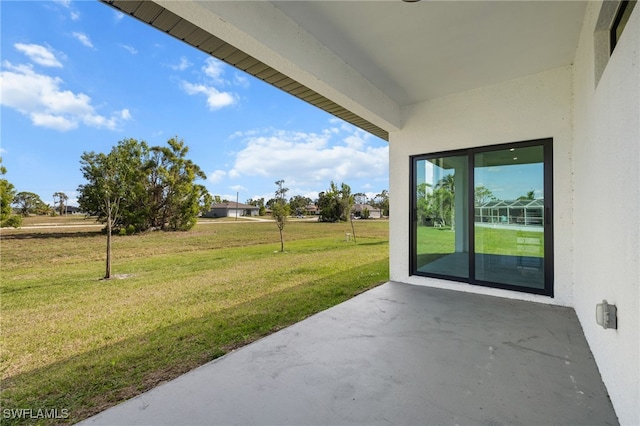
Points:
(606, 315)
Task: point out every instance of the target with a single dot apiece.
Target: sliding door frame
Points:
(547, 145)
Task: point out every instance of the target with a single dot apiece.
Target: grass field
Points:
(72, 341)
(441, 241)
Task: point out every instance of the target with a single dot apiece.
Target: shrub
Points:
(14, 221)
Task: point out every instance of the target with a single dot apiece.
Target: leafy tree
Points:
(482, 195)
(7, 194)
(270, 203)
(29, 202)
(381, 201)
(60, 198)
(13, 221)
(447, 183)
(335, 204)
(134, 202)
(360, 198)
(162, 194)
(444, 199)
(259, 202)
(328, 207)
(435, 203)
(206, 201)
(530, 195)
(177, 196)
(112, 180)
(299, 204)
(281, 209)
(347, 201)
(425, 208)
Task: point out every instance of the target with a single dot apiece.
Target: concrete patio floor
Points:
(400, 355)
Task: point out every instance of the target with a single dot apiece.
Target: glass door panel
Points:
(441, 216)
(509, 217)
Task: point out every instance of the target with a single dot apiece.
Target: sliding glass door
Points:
(498, 234)
(442, 237)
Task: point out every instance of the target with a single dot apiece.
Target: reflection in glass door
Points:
(483, 216)
(508, 210)
(441, 215)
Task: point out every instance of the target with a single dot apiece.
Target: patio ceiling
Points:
(424, 50)
(363, 61)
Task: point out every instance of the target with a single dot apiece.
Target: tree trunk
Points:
(353, 229)
(109, 226)
(281, 240)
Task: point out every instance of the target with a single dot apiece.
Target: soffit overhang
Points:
(165, 20)
(363, 61)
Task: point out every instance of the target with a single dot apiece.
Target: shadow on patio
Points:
(397, 354)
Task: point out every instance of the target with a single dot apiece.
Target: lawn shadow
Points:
(47, 235)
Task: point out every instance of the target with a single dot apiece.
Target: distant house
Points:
(232, 209)
(312, 209)
(72, 210)
(374, 212)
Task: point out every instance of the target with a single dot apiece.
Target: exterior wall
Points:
(533, 107)
(217, 212)
(606, 206)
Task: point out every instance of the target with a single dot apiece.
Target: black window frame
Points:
(547, 144)
(622, 8)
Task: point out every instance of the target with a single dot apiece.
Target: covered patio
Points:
(466, 80)
(398, 354)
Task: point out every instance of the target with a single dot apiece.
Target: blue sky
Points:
(78, 76)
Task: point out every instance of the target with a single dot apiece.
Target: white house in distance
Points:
(518, 97)
(360, 210)
(231, 209)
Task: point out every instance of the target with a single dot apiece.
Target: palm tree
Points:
(445, 188)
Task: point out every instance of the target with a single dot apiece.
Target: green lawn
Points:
(433, 243)
(71, 341)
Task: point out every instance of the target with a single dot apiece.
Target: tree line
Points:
(333, 205)
(136, 187)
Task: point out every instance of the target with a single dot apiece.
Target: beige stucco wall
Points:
(607, 208)
(534, 107)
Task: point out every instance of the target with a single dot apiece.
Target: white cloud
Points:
(129, 49)
(182, 65)
(51, 121)
(83, 38)
(41, 98)
(307, 159)
(215, 98)
(212, 78)
(238, 188)
(241, 80)
(74, 14)
(39, 54)
(214, 69)
(216, 176)
(118, 16)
